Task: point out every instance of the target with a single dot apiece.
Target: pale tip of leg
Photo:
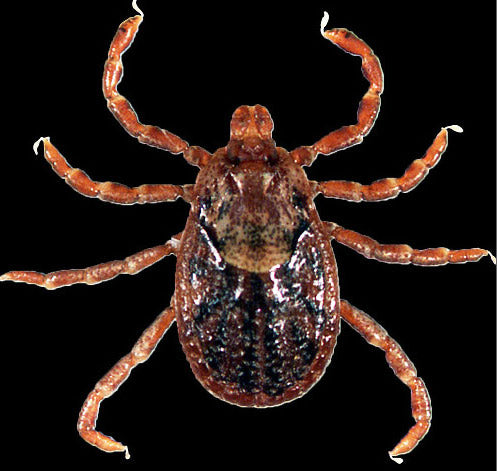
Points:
(454, 128)
(395, 458)
(136, 8)
(324, 21)
(490, 254)
(37, 143)
(126, 453)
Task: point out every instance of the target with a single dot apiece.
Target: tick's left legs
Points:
(109, 384)
(108, 191)
(122, 109)
(97, 273)
(403, 369)
(400, 253)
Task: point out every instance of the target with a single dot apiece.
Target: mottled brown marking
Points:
(256, 289)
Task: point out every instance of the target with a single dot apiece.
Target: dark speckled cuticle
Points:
(256, 293)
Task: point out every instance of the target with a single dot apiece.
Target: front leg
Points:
(403, 254)
(369, 106)
(97, 273)
(122, 109)
(403, 368)
(111, 381)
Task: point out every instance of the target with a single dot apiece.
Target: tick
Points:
(257, 301)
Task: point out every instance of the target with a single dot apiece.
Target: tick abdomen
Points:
(256, 300)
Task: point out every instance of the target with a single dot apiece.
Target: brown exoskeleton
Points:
(257, 300)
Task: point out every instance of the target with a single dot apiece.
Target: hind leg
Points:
(111, 381)
(403, 369)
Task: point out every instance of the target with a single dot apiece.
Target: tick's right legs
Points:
(403, 368)
(401, 253)
(388, 188)
(369, 106)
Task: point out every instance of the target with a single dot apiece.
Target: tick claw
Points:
(37, 143)
(490, 254)
(395, 458)
(135, 7)
(126, 453)
(324, 21)
(455, 128)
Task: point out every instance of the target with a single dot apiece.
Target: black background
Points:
(189, 68)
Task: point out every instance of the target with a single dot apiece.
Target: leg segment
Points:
(98, 273)
(403, 254)
(388, 188)
(109, 384)
(368, 108)
(122, 109)
(403, 369)
(109, 191)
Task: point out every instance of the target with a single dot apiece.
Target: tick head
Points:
(251, 121)
(250, 134)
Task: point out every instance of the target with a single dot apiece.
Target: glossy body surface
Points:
(256, 301)
(256, 285)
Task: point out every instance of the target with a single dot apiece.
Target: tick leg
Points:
(369, 106)
(119, 373)
(97, 273)
(403, 254)
(388, 188)
(403, 369)
(109, 191)
(122, 109)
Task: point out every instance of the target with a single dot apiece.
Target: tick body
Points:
(257, 301)
(256, 285)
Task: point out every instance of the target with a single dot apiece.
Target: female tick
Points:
(257, 301)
